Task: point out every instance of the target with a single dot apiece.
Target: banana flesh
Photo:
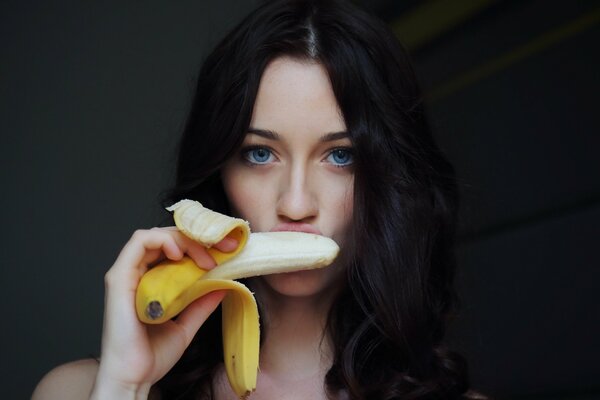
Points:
(165, 290)
(274, 252)
(209, 227)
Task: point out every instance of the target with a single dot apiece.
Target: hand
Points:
(135, 355)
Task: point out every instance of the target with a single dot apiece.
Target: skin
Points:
(293, 181)
(300, 177)
(297, 178)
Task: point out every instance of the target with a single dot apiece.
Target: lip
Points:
(296, 227)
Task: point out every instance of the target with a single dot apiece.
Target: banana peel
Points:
(166, 289)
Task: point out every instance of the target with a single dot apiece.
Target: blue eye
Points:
(340, 157)
(258, 155)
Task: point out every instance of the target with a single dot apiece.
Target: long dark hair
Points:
(389, 322)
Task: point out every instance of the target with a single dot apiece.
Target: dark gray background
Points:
(93, 97)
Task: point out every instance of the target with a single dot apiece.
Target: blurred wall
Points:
(93, 97)
(513, 95)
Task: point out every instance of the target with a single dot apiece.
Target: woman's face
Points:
(295, 167)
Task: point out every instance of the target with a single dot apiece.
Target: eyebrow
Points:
(271, 135)
(267, 134)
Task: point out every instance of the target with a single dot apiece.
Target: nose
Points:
(297, 200)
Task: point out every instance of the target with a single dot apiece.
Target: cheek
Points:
(248, 198)
(340, 205)
(348, 206)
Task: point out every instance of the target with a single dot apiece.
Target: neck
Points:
(297, 345)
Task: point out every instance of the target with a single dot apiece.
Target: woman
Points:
(307, 117)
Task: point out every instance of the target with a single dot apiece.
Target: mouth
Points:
(296, 227)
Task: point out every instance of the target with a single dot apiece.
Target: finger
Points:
(195, 250)
(227, 245)
(166, 228)
(143, 248)
(194, 315)
(200, 256)
(147, 245)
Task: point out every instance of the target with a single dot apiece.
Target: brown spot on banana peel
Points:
(154, 310)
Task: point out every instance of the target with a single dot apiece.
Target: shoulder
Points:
(73, 380)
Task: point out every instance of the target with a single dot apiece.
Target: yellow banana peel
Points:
(166, 289)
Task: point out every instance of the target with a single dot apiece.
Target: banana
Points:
(166, 289)
(208, 227)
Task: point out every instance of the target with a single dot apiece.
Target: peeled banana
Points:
(165, 290)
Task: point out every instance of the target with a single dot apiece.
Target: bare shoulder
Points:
(73, 380)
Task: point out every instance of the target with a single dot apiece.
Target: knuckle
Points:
(138, 232)
(139, 235)
(108, 278)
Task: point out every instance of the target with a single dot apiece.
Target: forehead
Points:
(296, 95)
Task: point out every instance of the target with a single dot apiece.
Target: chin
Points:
(303, 283)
